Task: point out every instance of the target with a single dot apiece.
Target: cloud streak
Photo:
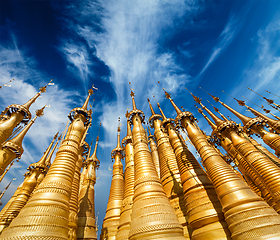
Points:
(224, 40)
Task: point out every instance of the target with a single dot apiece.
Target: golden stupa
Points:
(162, 191)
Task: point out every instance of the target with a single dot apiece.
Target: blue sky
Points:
(219, 45)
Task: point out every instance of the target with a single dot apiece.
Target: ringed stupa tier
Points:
(202, 204)
(169, 172)
(241, 206)
(113, 211)
(152, 215)
(86, 226)
(126, 210)
(36, 171)
(46, 214)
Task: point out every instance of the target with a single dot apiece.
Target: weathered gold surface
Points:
(152, 215)
(169, 172)
(126, 210)
(86, 215)
(247, 215)
(46, 214)
(112, 217)
(203, 206)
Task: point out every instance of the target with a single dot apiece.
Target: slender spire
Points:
(48, 159)
(269, 101)
(42, 161)
(217, 110)
(7, 84)
(168, 96)
(129, 133)
(90, 92)
(133, 100)
(151, 107)
(93, 157)
(32, 100)
(6, 170)
(213, 126)
(135, 111)
(6, 188)
(163, 116)
(16, 142)
(82, 110)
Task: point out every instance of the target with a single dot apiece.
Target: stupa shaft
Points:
(152, 215)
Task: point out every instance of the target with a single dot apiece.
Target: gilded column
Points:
(169, 172)
(30, 182)
(203, 206)
(46, 214)
(86, 214)
(247, 215)
(14, 114)
(154, 151)
(152, 215)
(73, 202)
(126, 210)
(252, 177)
(112, 217)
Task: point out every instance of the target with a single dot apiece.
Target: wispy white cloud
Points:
(224, 39)
(128, 45)
(78, 60)
(18, 65)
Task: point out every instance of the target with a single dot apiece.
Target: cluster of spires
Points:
(165, 193)
(162, 193)
(55, 200)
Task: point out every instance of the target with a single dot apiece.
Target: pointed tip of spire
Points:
(151, 107)
(132, 94)
(85, 105)
(162, 113)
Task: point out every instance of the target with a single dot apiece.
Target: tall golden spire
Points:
(13, 148)
(169, 172)
(203, 206)
(15, 114)
(154, 151)
(86, 215)
(112, 217)
(149, 196)
(274, 124)
(259, 162)
(240, 203)
(30, 182)
(126, 210)
(255, 125)
(253, 179)
(49, 203)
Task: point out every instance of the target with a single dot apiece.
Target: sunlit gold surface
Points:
(14, 114)
(154, 152)
(169, 172)
(27, 187)
(86, 215)
(126, 210)
(46, 214)
(152, 215)
(203, 206)
(13, 148)
(112, 217)
(247, 215)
